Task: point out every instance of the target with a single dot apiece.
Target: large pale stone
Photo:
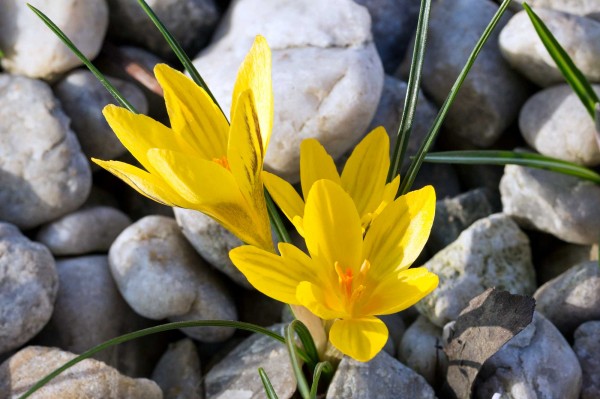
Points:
(32, 49)
(327, 76)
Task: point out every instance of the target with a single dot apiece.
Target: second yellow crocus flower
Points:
(201, 162)
(363, 178)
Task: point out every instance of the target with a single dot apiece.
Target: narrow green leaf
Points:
(307, 342)
(296, 361)
(149, 331)
(269, 390)
(179, 52)
(412, 91)
(323, 369)
(432, 134)
(65, 39)
(276, 221)
(569, 70)
(492, 157)
(1, 53)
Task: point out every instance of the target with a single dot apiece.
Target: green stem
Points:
(276, 221)
(412, 91)
(269, 390)
(148, 331)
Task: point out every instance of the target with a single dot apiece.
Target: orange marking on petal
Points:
(223, 162)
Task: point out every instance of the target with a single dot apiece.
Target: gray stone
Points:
(84, 231)
(571, 298)
(90, 379)
(257, 308)
(178, 372)
(236, 375)
(31, 49)
(161, 276)
(492, 94)
(548, 120)
(492, 252)
(538, 363)
(83, 97)
(453, 215)
(389, 113)
(383, 377)
(28, 285)
(577, 7)
(587, 349)
(191, 22)
(421, 349)
(524, 50)
(564, 206)
(393, 23)
(88, 311)
(396, 328)
(562, 258)
(43, 174)
(212, 241)
(333, 100)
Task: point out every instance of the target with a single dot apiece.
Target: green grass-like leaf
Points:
(269, 390)
(149, 331)
(323, 370)
(492, 157)
(412, 92)
(296, 361)
(574, 77)
(65, 39)
(179, 52)
(415, 165)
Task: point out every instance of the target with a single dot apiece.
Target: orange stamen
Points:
(223, 162)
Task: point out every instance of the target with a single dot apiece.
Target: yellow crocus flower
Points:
(363, 177)
(201, 162)
(348, 279)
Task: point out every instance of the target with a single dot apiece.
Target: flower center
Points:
(352, 285)
(223, 162)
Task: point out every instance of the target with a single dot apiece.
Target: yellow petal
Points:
(332, 228)
(366, 170)
(143, 182)
(244, 152)
(361, 339)
(275, 276)
(197, 180)
(315, 164)
(193, 114)
(139, 133)
(286, 197)
(400, 291)
(320, 300)
(255, 74)
(397, 236)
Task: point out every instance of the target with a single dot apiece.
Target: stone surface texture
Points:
(587, 349)
(89, 379)
(161, 276)
(492, 252)
(564, 206)
(32, 50)
(536, 363)
(381, 377)
(524, 50)
(28, 286)
(84, 231)
(178, 372)
(43, 174)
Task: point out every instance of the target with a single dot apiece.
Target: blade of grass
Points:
(269, 390)
(148, 331)
(493, 157)
(323, 369)
(412, 91)
(61, 35)
(574, 77)
(432, 134)
(308, 345)
(179, 52)
(296, 361)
